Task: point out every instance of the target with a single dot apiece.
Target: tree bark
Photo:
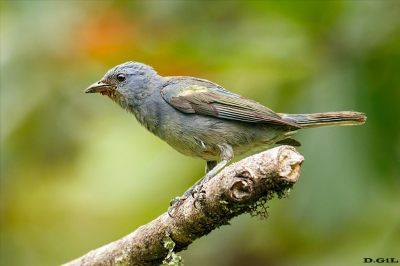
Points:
(234, 191)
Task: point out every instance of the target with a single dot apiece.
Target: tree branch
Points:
(232, 192)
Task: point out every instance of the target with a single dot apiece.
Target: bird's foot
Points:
(175, 203)
(196, 193)
(178, 201)
(197, 188)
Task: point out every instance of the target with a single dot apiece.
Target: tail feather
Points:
(345, 118)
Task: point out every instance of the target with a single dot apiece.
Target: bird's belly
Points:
(200, 136)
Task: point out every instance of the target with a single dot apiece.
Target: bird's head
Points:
(125, 83)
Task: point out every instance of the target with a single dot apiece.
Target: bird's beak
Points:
(101, 87)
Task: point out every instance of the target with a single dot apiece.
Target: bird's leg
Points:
(212, 168)
(210, 165)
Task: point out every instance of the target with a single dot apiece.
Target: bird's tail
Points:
(345, 118)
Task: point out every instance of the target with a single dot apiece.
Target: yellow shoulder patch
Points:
(193, 89)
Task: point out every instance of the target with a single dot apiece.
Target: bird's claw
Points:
(175, 203)
(196, 193)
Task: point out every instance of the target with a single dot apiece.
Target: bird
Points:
(201, 119)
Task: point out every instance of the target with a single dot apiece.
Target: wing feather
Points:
(191, 95)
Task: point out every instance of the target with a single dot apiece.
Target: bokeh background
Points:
(78, 172)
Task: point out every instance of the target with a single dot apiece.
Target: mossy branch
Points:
(234, 191)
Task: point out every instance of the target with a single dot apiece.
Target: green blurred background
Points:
(78, 172)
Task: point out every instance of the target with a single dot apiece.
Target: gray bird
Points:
(202, 120)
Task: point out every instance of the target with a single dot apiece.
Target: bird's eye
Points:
(121, 77)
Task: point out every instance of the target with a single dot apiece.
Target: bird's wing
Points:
(192, 95)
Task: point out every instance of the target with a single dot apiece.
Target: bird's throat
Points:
(106, 92)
